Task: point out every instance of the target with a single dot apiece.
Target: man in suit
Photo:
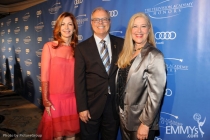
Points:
(94, 86)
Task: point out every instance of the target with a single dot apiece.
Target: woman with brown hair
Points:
(60, 116)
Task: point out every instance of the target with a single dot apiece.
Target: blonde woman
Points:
(140, 81)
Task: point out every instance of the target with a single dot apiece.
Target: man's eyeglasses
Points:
(97, 20)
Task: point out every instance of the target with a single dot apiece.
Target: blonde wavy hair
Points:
(127, 51)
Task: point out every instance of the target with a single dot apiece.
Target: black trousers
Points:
(104, 128)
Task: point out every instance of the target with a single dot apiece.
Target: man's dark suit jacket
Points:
(91, 79)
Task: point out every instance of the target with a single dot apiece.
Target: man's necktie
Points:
(105, 56)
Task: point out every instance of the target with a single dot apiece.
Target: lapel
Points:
(114, 54)
(138, 61)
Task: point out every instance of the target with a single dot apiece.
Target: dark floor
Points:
(19, 118)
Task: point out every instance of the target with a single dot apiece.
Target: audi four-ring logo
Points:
(77, 2)
(165, 35)
(113, 13)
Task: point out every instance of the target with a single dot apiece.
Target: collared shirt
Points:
(108, 43)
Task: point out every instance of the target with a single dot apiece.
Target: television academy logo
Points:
(172, 68)
(3, 49)
(81, 19)
(117, 33)
(10, 58)
(54, 9)
(39, 27)
(39, 53)
(77, 2)
(17, 30)
(9, 40)
(2, 33)
(8, 22)
(4, 65)
(166, 10)
(2, 41)
(26, 16)
(18, 50)
(28, 62)
(27, 40)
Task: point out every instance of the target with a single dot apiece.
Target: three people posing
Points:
(134, 95)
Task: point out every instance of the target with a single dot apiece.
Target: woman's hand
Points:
(142, 132)
(48, 109)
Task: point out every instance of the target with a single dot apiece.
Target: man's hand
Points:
(85, 116)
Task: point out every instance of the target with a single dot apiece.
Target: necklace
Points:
(137, 49)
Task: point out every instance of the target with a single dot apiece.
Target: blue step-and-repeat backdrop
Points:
(182, 33)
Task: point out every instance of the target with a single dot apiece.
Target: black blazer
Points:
(91, 79)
